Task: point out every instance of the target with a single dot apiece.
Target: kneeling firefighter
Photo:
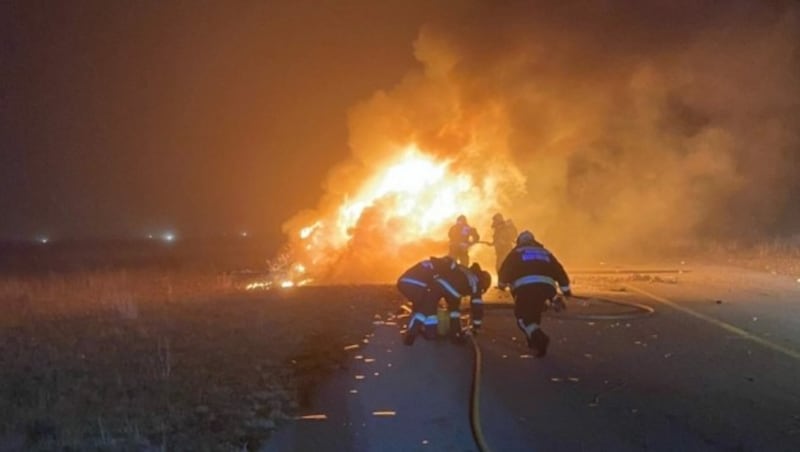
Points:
(458, 281)
(418, 284)
(534, 275)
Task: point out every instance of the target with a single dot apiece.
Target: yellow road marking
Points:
(724, 325)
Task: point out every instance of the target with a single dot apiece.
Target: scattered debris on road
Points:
(313, 417)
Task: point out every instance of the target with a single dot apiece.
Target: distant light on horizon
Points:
(168, 237)
(43, 240)
(150, 236)
(243, 234)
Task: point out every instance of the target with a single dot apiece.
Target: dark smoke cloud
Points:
(637, 122)
(602, 126)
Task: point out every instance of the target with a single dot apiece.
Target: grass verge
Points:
(212, 371)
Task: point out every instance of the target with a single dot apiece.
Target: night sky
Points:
(118, 119)
(630, 119)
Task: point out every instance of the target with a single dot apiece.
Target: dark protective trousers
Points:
(530, 301)
(500, 252)
(460, 253)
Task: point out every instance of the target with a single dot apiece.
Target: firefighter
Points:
(459, 282)
(418, 284)
(462, 236)
(505, 233)
(534, 276)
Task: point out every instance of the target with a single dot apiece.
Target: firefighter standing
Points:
(534, 276)
(459, 282)
(418, 284)
(462, 236)
(505, 233)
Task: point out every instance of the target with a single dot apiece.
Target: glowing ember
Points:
(259, 285)
(306, 231)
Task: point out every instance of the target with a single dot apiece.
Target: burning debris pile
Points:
(668, 122)
(399, 214)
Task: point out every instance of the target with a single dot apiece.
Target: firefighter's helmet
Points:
(525, 238)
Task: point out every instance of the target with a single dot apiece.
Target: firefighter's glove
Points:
(558, 304)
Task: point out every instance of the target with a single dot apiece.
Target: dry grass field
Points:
(148, 360)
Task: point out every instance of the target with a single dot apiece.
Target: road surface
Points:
(715, 368)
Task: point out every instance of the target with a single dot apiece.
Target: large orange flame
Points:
(401, 213)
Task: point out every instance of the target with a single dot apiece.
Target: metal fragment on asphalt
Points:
(313, 417)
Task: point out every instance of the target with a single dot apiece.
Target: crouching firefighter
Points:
(534, 276)
(458, 281)
(418, 284)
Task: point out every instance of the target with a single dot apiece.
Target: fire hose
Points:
(636, 310)
(481, 242)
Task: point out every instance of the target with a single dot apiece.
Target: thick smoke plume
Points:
(604, 127)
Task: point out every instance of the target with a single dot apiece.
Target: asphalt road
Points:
(715, 368)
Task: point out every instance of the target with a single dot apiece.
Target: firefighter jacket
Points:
(425, 273)
(461, 235)
(532, 264)
(421, 274)
(505, 234)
